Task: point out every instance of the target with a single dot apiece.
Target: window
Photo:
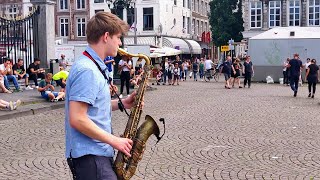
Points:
(314, 6)
(98, 1)
(130, 16)
(205, 27)
(294, 13)
(12, 11)
(64, 27)
(194, 26)
(183, 2)
(30, 8)
(175, 2)
(193, 5)
(255, 14)
(81, 4)
(63, 4)
(189, 4)
(201, 8)
(201, 27)
(198, 27)
(183, 23)
(205, 9)
(274, 13)
(147, 19)
(188, 25)
(198, 5)
(81, 27)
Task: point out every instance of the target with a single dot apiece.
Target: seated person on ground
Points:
(46, 89)
(61, 78)
(3, 89)
(159, 76)
(21, 73)
(35, 71)
(9, 105)
(7, 73)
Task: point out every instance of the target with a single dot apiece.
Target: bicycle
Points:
(211, 74)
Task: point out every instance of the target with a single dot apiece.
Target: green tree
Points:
(226, 21)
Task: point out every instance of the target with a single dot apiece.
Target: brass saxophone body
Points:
(124, 166)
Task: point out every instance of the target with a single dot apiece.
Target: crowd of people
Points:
(10, 72)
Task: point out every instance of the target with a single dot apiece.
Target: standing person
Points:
(170, 73)
(208, 64)
(285, 71)
(201, 68)
(165, 68)
(185, 66)
(195, 69)
(21, 73)
(178, 60)
(227, 68)
(176, 72)
(236, 72)
(89, 140)
(312, 76)
(295, 66)
(307, 63)
(248, 71)
(35, 71)
(125, 65)
(63, 64)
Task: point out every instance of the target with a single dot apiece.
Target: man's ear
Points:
(106, 36)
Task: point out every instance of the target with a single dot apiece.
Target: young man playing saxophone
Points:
(89, 142)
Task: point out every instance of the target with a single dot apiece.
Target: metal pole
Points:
(135, 24)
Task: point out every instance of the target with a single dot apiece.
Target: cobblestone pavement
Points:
(212, 133)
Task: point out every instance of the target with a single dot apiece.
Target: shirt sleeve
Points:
(84, 87)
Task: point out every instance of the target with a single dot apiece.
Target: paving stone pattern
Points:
(211, 133)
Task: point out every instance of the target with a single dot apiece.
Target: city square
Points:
(211, 133)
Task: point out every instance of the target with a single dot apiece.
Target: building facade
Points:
(179, 24)
(262, 15)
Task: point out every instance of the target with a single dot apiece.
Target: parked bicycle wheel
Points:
(216, 76)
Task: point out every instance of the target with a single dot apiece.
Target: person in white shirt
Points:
(7, 73)
(208, 65)
(125, 66)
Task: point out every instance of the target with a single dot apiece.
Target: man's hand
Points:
(20, 76)
(113, 89)
(51, 87)
(129, 101)
(122, 144)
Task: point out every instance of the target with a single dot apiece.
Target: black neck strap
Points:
(121, 106)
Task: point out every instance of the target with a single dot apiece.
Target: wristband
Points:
(120, 106)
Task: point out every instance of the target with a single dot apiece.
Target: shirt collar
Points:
(95, 56)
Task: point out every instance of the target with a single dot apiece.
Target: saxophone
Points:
(124, 166)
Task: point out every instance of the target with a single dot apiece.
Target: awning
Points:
(176, 43)
(164, 51)
(194, 46)
(140, 41)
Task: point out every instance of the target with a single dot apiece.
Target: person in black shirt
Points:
(226, 69)
(236, 73)
(248, 71)
(35, 71)
(295, 66)
(312, 77)
(21, 73)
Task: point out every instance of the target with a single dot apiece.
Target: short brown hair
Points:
(103, 22)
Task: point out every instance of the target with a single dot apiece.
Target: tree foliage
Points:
(226, 21)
